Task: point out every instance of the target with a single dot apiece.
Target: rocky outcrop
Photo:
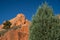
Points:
(58, 16)
(20, 34)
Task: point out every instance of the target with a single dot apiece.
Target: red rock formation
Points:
(19, 34)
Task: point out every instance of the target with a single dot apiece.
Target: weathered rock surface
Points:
(20, 34)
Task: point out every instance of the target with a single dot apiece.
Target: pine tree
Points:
(7, 25)
(44, 26)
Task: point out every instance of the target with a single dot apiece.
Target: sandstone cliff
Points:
(19, 34)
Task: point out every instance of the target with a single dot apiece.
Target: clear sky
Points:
(10, 8)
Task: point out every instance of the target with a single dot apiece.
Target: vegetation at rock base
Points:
(2, 32)
(44, 26)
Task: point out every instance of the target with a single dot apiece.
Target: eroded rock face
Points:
(20, 34)
(58, 16)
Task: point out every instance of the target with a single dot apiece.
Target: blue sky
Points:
(10, 8)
